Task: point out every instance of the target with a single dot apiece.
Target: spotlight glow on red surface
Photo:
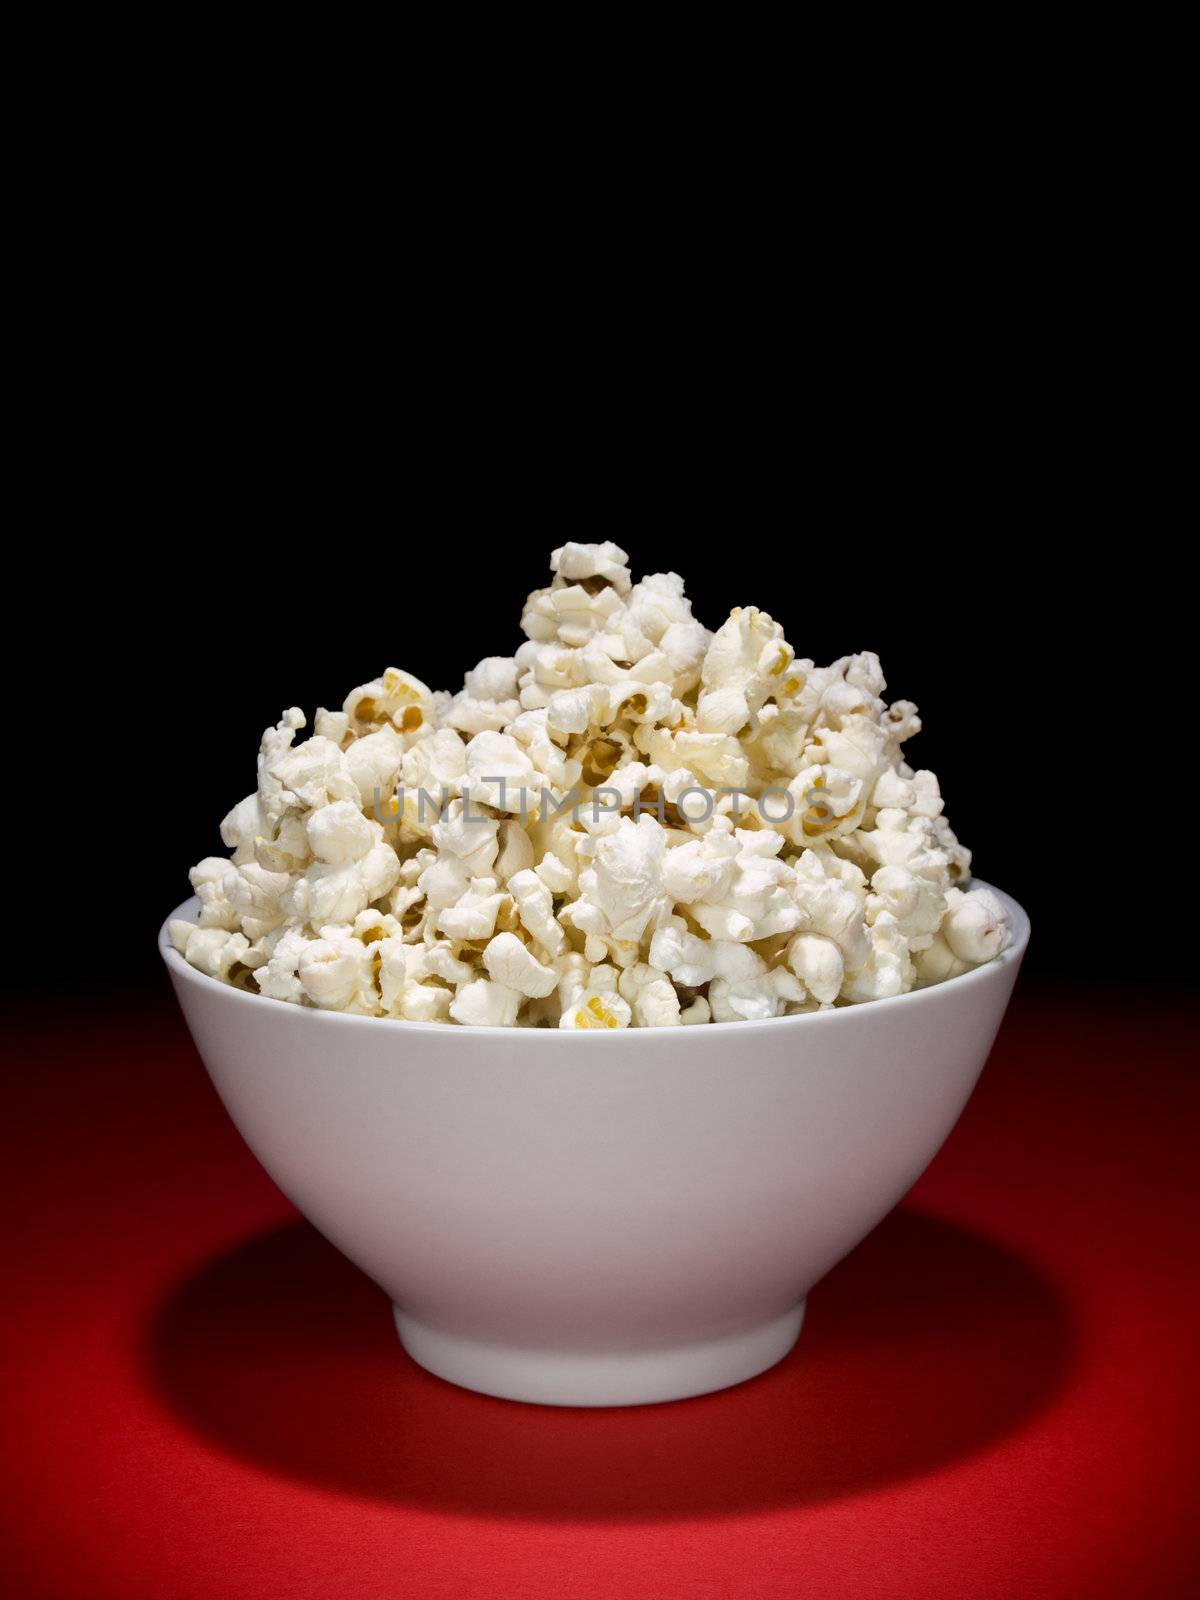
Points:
(994, 1396)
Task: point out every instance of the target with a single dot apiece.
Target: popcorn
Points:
(471, 839)
(499, 772)
(630, 822)
(509, 962)
(336, 892)
(746, 663)
(312, 775)
(516, 853)
(331, 725)
(340, 833)
(397, 699)
(431, 773)
(887, 970)
(621, 894)
(485, 1004)
(207, 878)
(393, 975)
(532, 730)
(427, 1002)
(595, 1010)
(831, 895)
(917, 904)
(754, 997)
(713, 758)
(975, 928)
(757, 901)
(898, 788)
(651, 995)
(573, 972)
(597, 563)
(851, 687)
(468, 714)
(575, 710)
(473, 916)
(827, 802)
(374, 763)
(701, 869)
(253, 892)
(819, 965)
(937, 962)
(657, 604)
(535, 908)
(555, 874)
(334, 972)
(279, 978)
(212, 950)
(693, 962)
(494, 678)
(244, 825)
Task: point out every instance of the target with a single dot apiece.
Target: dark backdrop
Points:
(1038, 663)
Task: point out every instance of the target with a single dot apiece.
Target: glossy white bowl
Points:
(598, 1218)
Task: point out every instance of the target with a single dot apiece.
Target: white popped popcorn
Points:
(819, 965)
(652, 995)
(207, 878)
(486, 1004)
(212, 950)
(594, 1009)
(473, 916)
(621, 894)
(629, 822)
(535, 907)
(335, 972)
(510, 962)
(975, 928)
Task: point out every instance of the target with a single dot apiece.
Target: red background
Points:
(994, 1396)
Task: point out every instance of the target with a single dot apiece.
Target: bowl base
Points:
(633, 1378)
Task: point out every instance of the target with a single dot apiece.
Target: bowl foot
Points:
(638, 1377)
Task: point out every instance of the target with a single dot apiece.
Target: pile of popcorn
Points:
(633, 822)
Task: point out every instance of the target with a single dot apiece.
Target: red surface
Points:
(993, 1397)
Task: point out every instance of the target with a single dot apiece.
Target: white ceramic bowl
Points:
(598, 1218)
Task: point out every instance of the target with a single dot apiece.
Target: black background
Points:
(262, 459)
(1039, 662)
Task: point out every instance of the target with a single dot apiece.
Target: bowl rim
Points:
(606, 1038)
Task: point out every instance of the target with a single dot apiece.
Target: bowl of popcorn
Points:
(597, 1009)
